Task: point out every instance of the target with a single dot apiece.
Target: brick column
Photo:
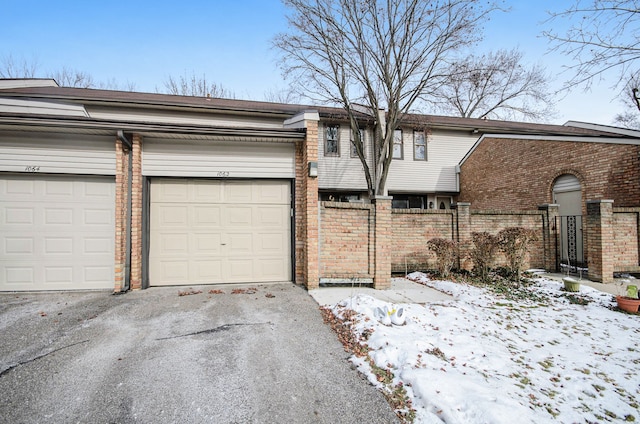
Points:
(382, 242)
(550, 229)
(306, 201)
(122, 174)
(136, 218)
(463, 234)
(600, 241)
(310, 155)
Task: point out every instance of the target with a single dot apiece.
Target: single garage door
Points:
(57, 232)
(219, 231)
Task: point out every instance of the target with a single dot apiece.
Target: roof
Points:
(45, 91)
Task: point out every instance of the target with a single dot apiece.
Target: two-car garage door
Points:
(219, 231)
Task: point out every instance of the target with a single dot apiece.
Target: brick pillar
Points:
(122, 174)
(463, 234)
(136, 218)
(600, 240)
(382, 242)
(550, 227)
(306, 201)
(310, 155)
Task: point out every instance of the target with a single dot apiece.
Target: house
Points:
(587, 170)
(120, 190)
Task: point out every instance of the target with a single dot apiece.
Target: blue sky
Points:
(143, 42)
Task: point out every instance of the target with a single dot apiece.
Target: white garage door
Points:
(57, 232)
(213, 231)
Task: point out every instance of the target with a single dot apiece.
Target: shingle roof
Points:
(155, 100)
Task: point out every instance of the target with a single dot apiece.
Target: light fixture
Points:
(313, 169)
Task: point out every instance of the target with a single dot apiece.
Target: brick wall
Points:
(516, 174)
(347, 239)
(346, 243)
(411, 230)
(625, 233)
(494, 221)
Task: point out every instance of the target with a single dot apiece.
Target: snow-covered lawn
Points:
(485, 358)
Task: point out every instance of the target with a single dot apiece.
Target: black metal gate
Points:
(570, 244)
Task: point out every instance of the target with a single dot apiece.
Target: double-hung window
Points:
(331, 141)
(397, 145)
(419, 146)
(354, 152)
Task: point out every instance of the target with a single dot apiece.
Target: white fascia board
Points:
(298, 121)
(34, 107)
(575, 139)
(27, 83)
(607, 128)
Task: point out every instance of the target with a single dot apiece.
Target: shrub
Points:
(514, 243)
(483, 252)
(446, 253)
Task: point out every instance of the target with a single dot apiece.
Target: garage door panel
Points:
(54, 235)
(268, 193)
(206, 216)
(18, 277)
(272, 269)
(208, 270)
(232, 238)
(238, 216)
(207, 243)
(170, 216)
(272, 216)
(20, 215)
(58, 216)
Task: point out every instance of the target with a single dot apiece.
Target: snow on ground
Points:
(481, 358)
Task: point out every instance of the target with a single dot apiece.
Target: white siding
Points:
(183, 118)
(341, 172)
(445, 149)
(175, 158)
(58, 154)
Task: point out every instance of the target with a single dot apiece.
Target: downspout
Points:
(127, 256)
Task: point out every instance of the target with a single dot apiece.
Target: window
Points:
(419, 146)
(331, 143)
(409, 201)
(334, 196)
(354, 152)
(397, 144)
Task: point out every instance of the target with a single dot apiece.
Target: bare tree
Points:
(282, 96)
(11, 67)
(631, 100)
(495, 85)
(67, 77)
(381, 54)
(603, 36)
(195, 86)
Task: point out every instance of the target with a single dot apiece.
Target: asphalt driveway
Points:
(152, 356)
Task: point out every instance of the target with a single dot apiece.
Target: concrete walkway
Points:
(406, 291)
(401, 291)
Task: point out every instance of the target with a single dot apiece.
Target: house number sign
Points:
(31, 168)
(222, 174)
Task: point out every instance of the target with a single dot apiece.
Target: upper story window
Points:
(354, 152)
(331, 141)
(419, 146)
(398, 152)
